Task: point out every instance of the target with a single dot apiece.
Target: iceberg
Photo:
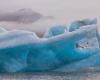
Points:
(24, 51)
(61, 50)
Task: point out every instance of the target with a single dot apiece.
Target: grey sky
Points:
(64, 11)
(21, 16)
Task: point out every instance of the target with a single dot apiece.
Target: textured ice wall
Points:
(24, 51)
(92, 36)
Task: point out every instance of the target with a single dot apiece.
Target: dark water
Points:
(94, 75)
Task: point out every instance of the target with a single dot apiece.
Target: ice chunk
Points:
(92, 36)
(58, 51)
(77, 24)
(2, 30)
(56, 30)
(23, 51)
(14, 48)
(91, 41)
(89, 64)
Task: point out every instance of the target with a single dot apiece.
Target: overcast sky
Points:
(63, 11)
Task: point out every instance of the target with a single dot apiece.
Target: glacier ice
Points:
(80, 23)
(56, 30)
(14, 48)
(2, 30)
(24, 51)
(92, 36)
(84, 43)
(91, 63)
(59, 51)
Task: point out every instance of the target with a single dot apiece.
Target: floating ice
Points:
(80, 23)
(59, 51)
(2, 30)
(91, 63)
(55, 30)
(92, 36)
(84, 43)
(23, 51)
(14, 48)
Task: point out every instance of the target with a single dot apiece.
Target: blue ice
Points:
(59, 50)
(56, 30)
